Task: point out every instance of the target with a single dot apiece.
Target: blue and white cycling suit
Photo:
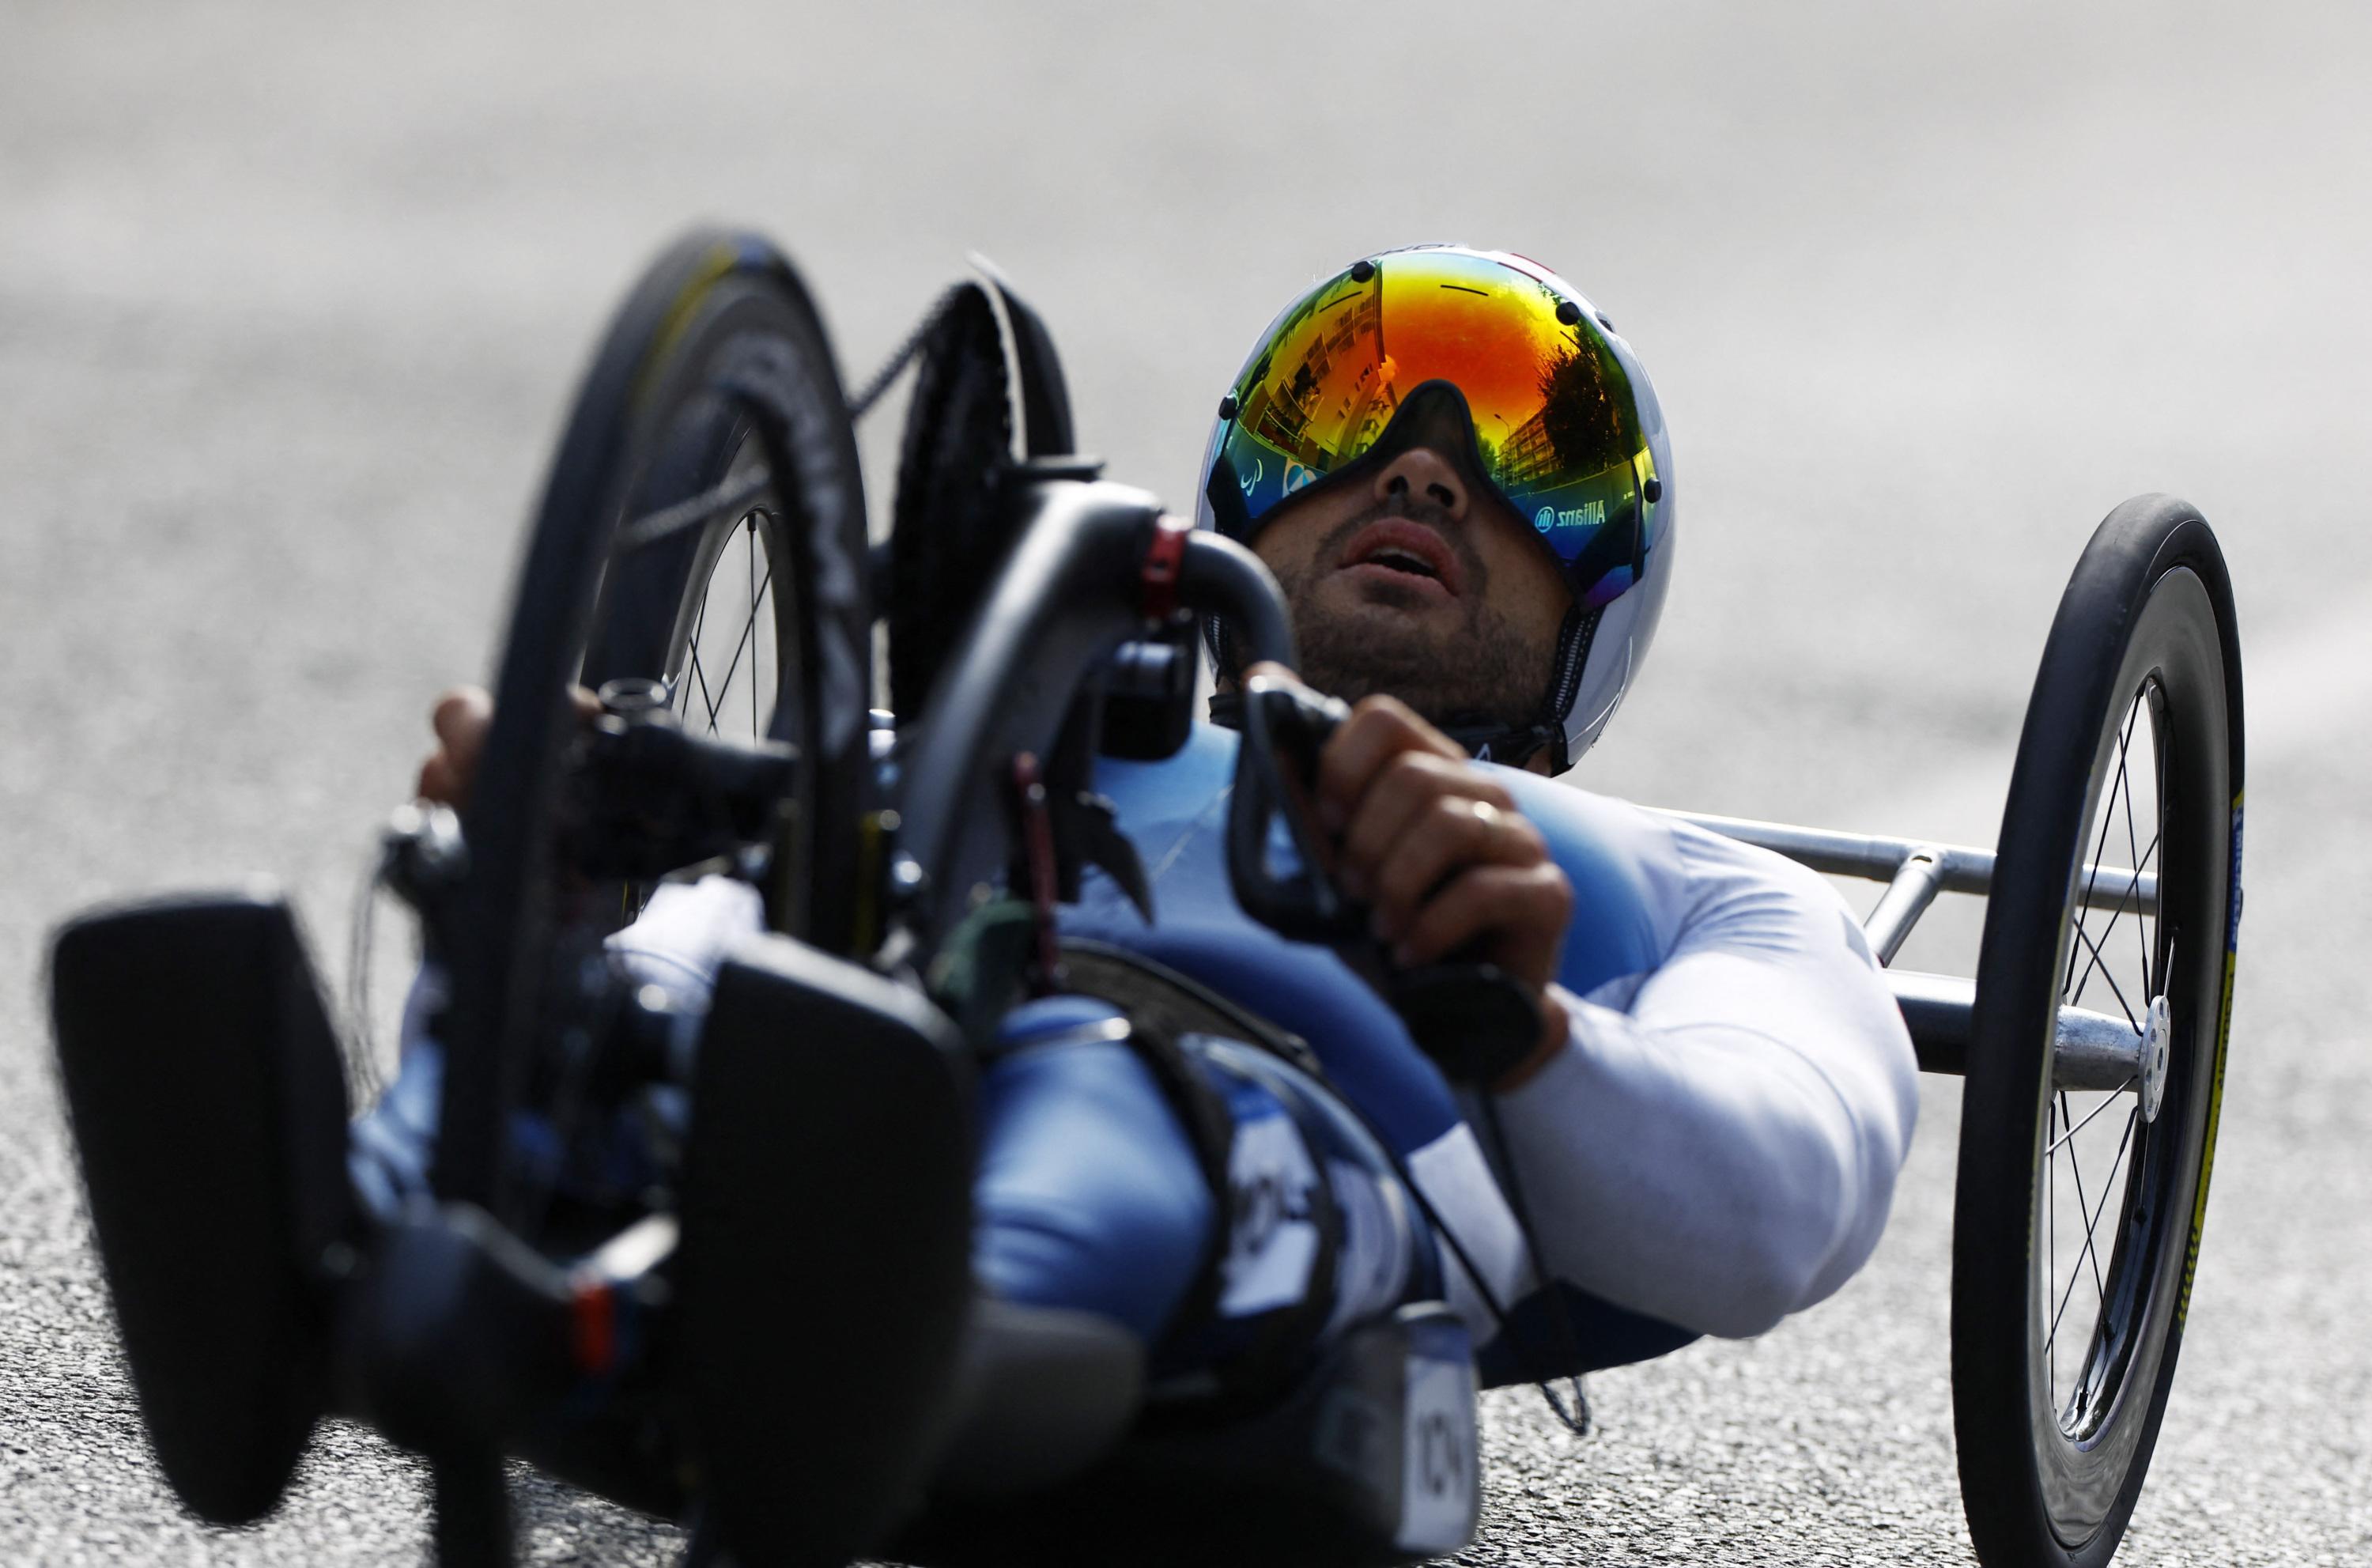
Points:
(1715, 1148)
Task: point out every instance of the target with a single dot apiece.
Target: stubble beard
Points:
(1485, 673)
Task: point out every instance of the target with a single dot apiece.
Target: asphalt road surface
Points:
(291, 296)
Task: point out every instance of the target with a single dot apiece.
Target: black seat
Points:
(1372, 1460)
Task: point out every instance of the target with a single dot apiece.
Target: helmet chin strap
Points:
(1511, 748)
(1484, 742)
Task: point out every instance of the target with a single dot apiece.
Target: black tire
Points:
(2135, 715)
(716, 347)
(950, 530)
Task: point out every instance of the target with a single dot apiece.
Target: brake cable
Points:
(1575, 1419)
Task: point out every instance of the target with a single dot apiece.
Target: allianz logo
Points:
(1589, 514)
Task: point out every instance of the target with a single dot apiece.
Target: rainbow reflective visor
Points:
(1557, 425)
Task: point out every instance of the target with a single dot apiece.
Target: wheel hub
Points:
(2156, 1043)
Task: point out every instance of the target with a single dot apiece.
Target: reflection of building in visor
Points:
(1556, 426)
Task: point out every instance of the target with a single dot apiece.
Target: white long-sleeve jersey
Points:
(1716, 1147)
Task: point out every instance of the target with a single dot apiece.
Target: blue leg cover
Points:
(1090, 1195)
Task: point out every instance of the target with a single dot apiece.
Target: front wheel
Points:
(2083, 1188)
(709, 437)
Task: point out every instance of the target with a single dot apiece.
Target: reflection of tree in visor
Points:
(1555, 426)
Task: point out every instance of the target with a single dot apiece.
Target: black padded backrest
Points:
(826, 1252)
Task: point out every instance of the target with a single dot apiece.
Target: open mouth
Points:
(1410, 553)
(1400, 560)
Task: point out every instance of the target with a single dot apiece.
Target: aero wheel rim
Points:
(2115, 1169)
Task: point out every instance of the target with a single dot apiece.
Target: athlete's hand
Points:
(461, 717)
(1439, 852)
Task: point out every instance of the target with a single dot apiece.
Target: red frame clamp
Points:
(1165, 561)
(593, 1327)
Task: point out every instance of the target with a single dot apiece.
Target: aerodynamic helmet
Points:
(1564, 423)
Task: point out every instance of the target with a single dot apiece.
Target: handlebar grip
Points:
(1307, 906)
(1222, 577)
(1474, 1019)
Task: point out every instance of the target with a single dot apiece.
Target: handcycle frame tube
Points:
(1914, 887)
(1876, 858)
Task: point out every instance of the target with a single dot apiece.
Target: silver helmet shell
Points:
(1602, 644)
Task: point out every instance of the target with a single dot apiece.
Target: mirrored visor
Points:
(1557, 425)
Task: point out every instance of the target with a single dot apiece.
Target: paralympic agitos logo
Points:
(1589, 514)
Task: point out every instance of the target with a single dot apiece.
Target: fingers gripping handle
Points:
(1475, 1020)
(1472, 1018)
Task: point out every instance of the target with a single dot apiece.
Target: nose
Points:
(1421, 472)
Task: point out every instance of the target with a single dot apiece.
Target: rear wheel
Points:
(2082, 1193)
(950, 529)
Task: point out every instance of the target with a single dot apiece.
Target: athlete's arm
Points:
(1717, 1144)
(1713, 1142)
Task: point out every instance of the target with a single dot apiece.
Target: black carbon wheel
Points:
(710, 426)
(2079, 1209)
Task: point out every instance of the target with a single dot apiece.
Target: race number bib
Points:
(1439, 1458)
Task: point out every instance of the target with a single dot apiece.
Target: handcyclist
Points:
(1461, 476)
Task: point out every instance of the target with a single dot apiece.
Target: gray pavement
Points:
(291, 296)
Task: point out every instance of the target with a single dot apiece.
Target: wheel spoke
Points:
(2118, 991)
(2141, 926)
(2091, 1223)
(2132, 889)
(701, 676)
(755, 595)
(2075, 1170)
(2092, 871)
(684, 688)
(2088, 1117)
(742, 643)
(2050, 1271)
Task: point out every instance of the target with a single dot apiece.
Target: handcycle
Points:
(1051, 617)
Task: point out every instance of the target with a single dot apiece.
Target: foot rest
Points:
(208, 1104)
(826, 1251)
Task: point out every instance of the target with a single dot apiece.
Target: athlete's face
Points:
(1417, 580)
